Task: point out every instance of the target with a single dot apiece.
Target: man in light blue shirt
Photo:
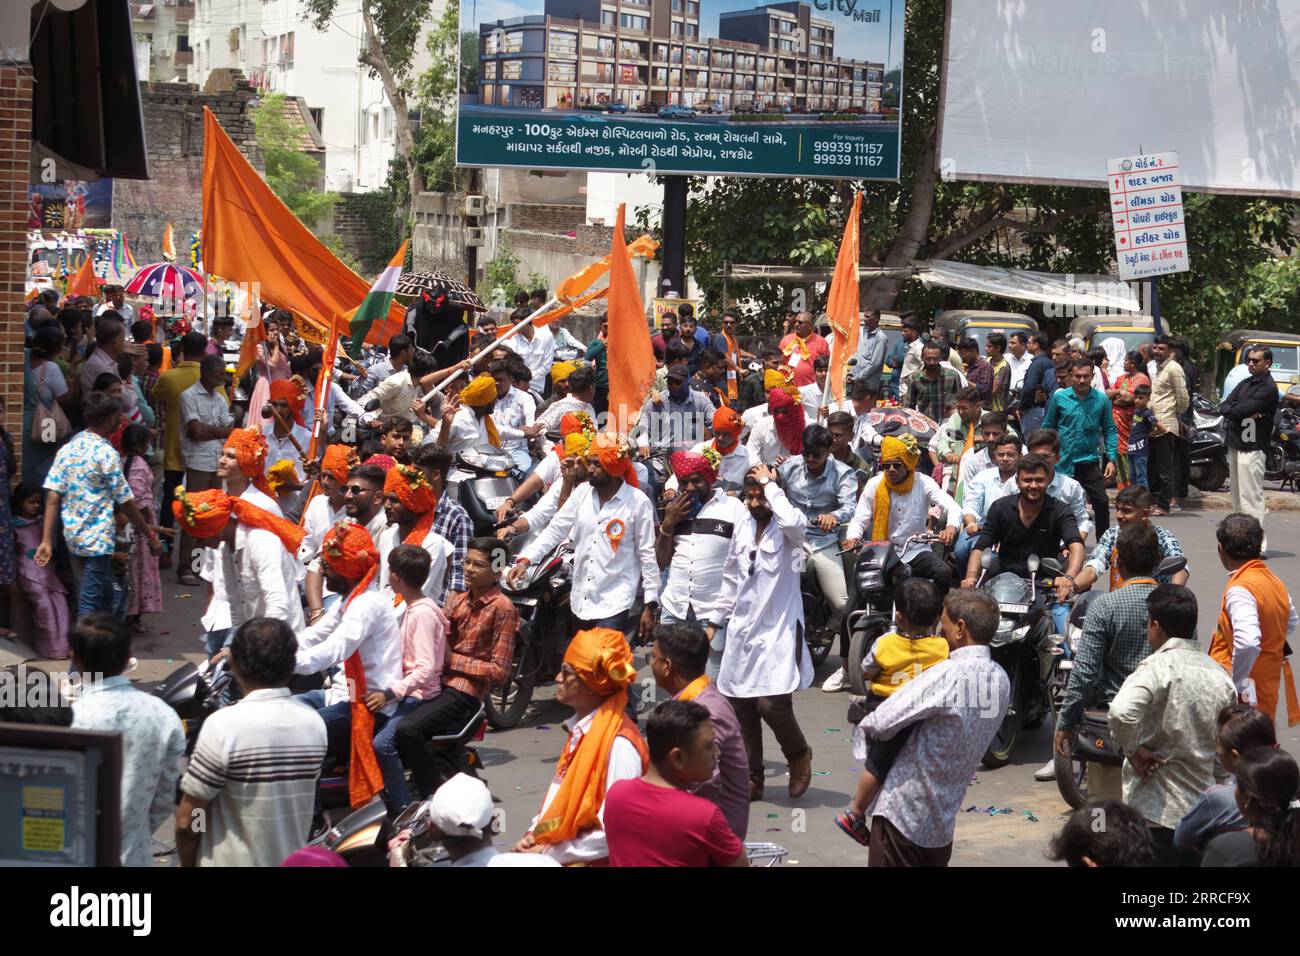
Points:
(1083, 417)
(985, 488)
(872, 345)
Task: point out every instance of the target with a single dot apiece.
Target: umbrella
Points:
(892, 420)
(413, 283)
(165, 280)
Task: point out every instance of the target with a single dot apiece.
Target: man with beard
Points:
(692, 544)
(982, 490)
(469, 424)
(765, 658)
(611, 526)
(956, 436)
(801, 348)
(363, 503)
(409, 505)
(895, 505)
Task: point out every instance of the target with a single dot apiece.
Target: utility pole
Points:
(674, 231)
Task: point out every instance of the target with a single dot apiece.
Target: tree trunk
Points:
(372, 55)
(880, 293)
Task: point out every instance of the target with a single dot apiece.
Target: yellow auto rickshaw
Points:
(1234, 345)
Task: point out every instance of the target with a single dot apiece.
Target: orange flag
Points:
(83, 281)
(631, 358)
(842, 302)
(250, 236)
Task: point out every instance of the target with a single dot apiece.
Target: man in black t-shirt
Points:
(1031, 522)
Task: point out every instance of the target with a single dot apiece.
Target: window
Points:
(693, 31)
(785, 46)
(561, 71)
(374, 126)
(182, 43)
(676, 28)
(512, 70)
(388, 123)
(607, 18)
(489, 69)
(605, 47)
(661, 53)
(661, 76)
(318, 116)
(630, 21)
(693, 9)
(563, 44)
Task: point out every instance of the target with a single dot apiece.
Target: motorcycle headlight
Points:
(1020, 633)
(869, 580)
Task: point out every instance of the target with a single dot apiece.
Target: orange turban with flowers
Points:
(576, 430)
(205, 514)
(480, 393)
(349, 551)
(728, 420)
(338, 461)
(249, 446)
(415, 493)
(290, 390)
(611, 451)
(603, 662)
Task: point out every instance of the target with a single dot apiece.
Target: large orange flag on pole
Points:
(83, 281)
(250, 236)
(842, 305)
(631, 358)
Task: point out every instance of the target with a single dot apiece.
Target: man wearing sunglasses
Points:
(1250, 408)
(363, 502)
(765, 658)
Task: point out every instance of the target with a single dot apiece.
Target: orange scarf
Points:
(694, 688)
(733, 377)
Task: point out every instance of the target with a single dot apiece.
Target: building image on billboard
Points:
(800, 87)
(636, 55)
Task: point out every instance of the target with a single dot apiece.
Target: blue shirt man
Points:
(1083, 418)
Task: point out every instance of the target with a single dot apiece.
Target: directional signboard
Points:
(1146, 210)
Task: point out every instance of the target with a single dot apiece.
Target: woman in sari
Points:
(1121, 401)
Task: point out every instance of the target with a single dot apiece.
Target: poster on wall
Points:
(707, 87)
(69, 205)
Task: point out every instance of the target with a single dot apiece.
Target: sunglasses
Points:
(356, 490)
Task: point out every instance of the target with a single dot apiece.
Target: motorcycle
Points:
(816, 608)
(362, 836)
(195, 692)
(1026, 648)
(480, 480)
(1282, 463)
(542, 601)
(1071, 772)
(1208, 452)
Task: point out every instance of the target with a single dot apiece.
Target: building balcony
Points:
(183, 58)
(184, 12)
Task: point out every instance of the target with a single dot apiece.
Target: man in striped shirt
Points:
(251, 784)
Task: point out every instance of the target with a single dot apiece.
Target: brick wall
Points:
(354, 232)
(542, 217)
(15, 157)
(173, 129)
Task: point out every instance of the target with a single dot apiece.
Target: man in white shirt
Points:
(327, 508)
(206, 423)
(766, 657)
(512, 416)
(470, 425)
(536, 346)
(398, 390)
(910, 496)
(582, 389)
(986, 487)
(361, 633)
(363, 503)
(1046, 443)
(409, 503)
(692, 544)
(116, 302)
(287, 439)
(811, 395)
(611, 526)
(1018, 358)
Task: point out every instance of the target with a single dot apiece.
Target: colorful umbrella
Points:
(411, 284)
(166, 280)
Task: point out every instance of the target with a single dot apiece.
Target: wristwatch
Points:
(764, 481)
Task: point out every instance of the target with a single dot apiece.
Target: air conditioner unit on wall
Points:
(474, 235)
(475, 205)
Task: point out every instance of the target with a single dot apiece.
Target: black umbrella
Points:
(411, 284)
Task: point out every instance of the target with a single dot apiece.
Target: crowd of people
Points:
(691, 537)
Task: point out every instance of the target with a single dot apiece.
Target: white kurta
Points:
(909, 513)
(762, 607)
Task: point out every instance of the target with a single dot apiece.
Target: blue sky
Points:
(863, 41)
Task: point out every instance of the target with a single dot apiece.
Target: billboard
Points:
(709, 87)
(1048, 92)
(70, 205)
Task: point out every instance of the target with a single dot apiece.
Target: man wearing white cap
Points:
(461, 812)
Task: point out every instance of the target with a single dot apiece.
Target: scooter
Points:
(542, 601)
(480, 480)
(1282, 463)
(1071, 772)
(1208, 452)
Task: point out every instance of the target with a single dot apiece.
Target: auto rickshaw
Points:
(1132, 331)
(1234, 345)
(975, 324)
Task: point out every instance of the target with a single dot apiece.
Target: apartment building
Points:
(162, 40)
(650, 52)
(276, 47)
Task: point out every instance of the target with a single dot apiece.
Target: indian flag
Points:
(375, 304)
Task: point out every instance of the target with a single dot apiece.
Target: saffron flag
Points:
(375, 304)
(250, 236)
(842, 303)
(83, 281)
(254, 335)
(631, 358)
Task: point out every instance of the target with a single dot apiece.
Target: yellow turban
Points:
(576, 443)
(903, 449)
(562, 370)
(893, 449)
(482, 391)
(778, 378)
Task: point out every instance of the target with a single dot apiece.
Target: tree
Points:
(292, 175)
(391, 31)
(438, 90)
(1235, 241)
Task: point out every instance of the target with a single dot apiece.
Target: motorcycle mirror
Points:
(1171, 565)
(1052, 566)
(1032, 563)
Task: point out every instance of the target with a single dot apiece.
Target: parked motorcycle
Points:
(1026, 648)
(1282, 463)
(1208, 454)
(1071, 772)
(480, 480)
(195, 692)
(542, 601)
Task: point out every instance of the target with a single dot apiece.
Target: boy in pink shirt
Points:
(424, 651)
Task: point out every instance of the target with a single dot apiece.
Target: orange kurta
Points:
(1274, 605)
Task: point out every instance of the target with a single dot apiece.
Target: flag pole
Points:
(492, 345)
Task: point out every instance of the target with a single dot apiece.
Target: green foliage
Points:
(436, 92)
(397, 26)
(468, 54)
(1242, 270)
(499, 283)
(335, 245)
(292, 175)
(385, 231)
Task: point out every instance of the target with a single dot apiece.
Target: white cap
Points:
(461, 807)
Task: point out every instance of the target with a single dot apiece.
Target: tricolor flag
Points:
(375, 304)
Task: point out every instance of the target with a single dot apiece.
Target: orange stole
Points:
(1274, 604)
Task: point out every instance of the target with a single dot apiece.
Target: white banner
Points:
(1048, 92)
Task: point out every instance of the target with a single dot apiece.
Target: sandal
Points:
(855, 825)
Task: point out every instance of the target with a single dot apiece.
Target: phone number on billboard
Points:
(840, 153)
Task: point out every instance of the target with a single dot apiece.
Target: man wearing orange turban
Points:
(258, 551)
(326, 509)
(361, 633)
(242, 466)
(287, 439)
(470, 426)
(734, 458)
(603, 747)
(410, 503)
